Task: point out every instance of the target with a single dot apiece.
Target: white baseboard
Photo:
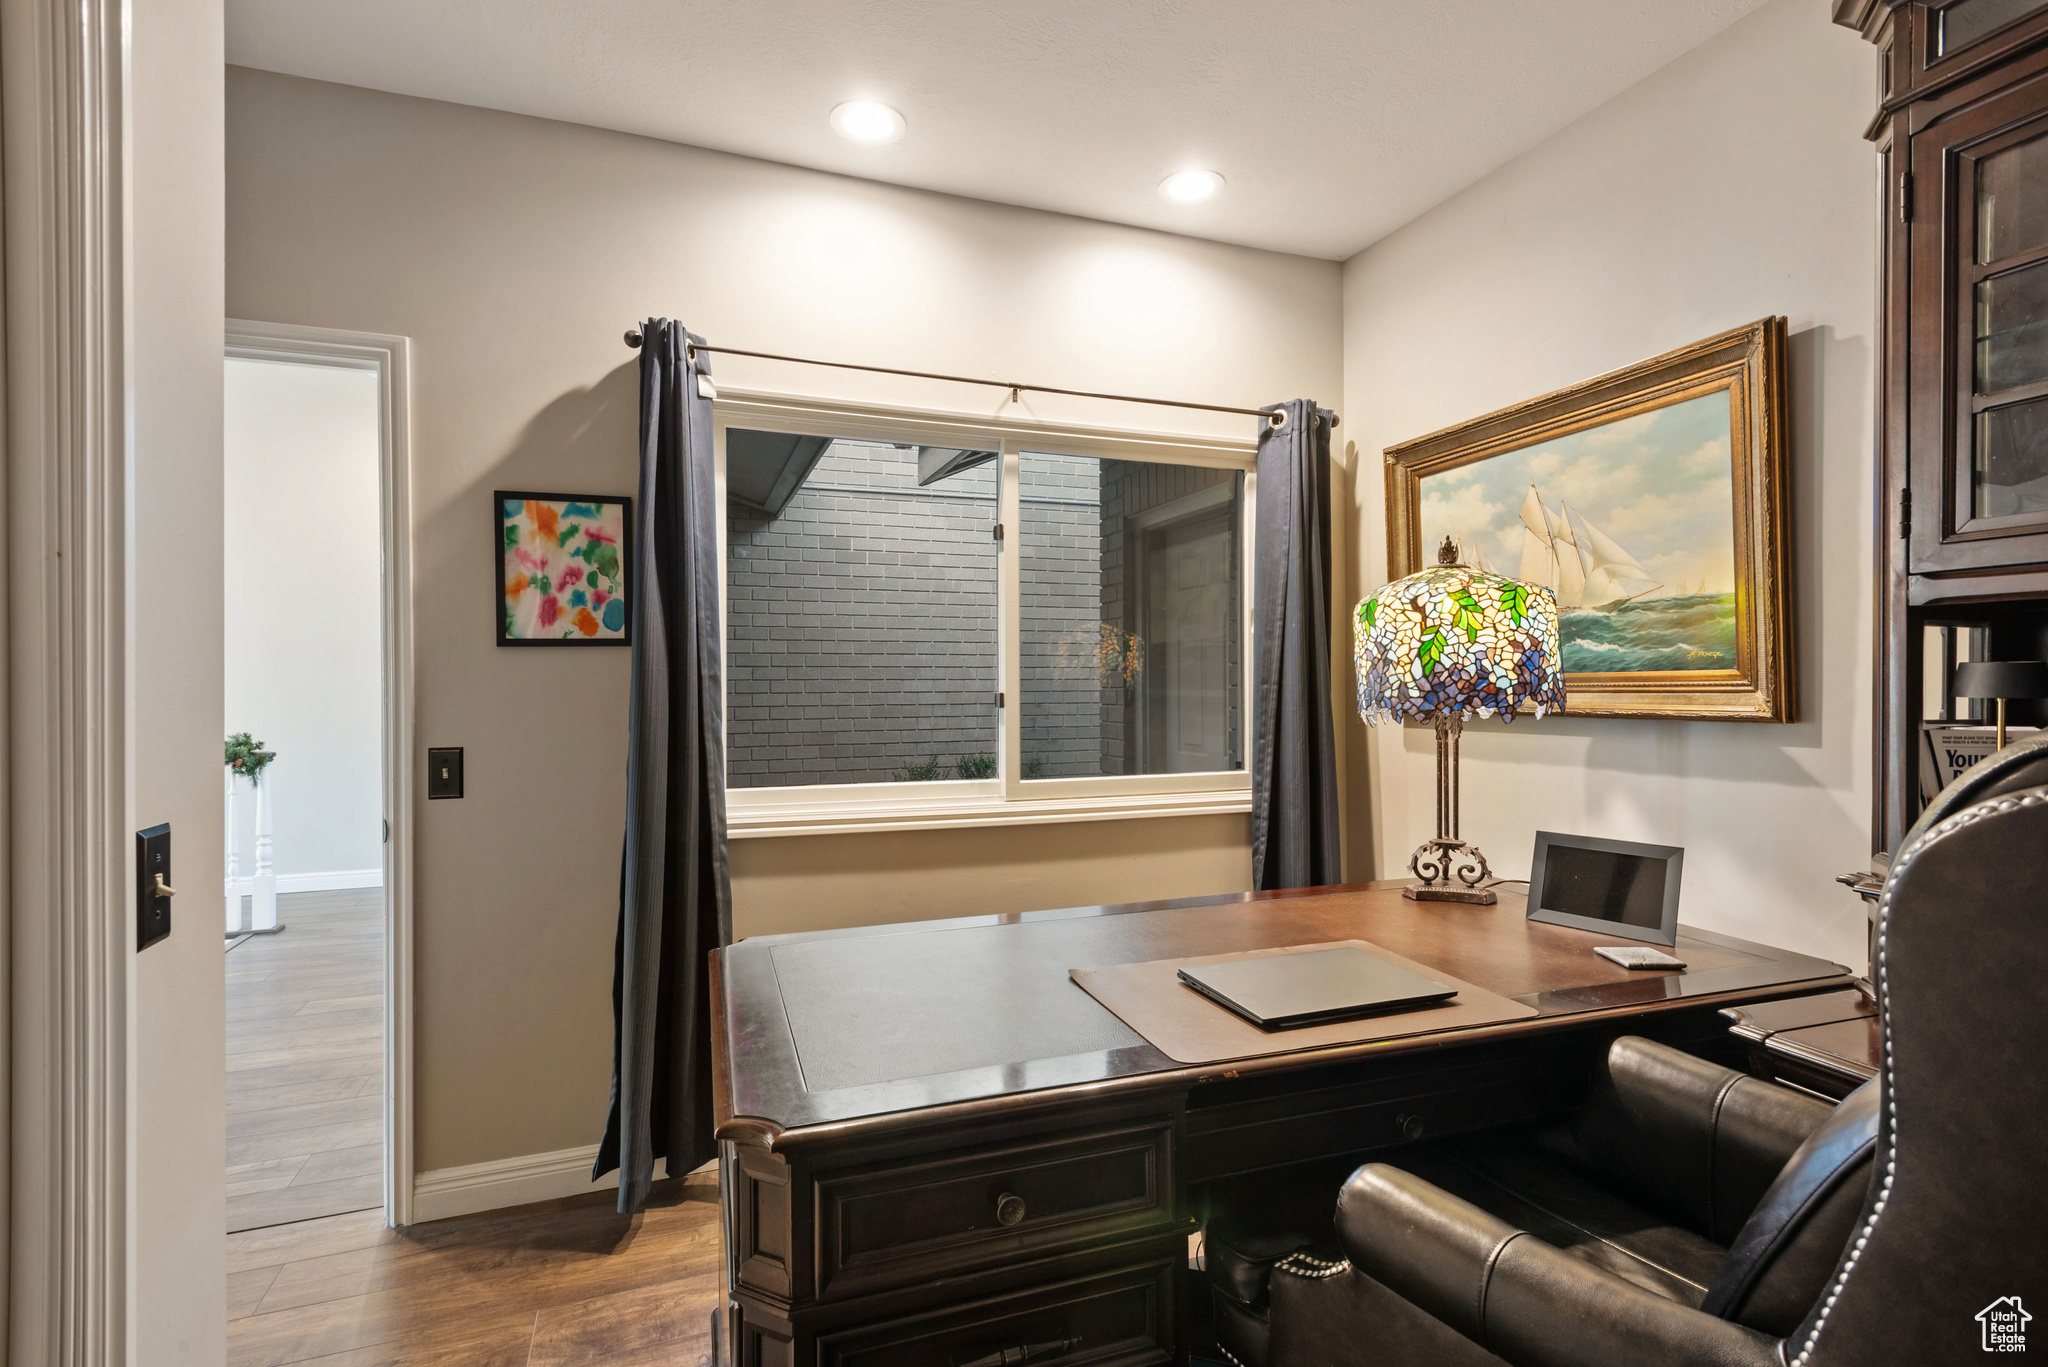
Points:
(502, 1182)
(332, 881)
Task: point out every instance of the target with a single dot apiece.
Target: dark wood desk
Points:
(1825, 1043)
(940, 1152)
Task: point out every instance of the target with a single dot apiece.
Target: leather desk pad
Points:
(1189, 1028)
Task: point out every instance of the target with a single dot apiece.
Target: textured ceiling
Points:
(1333, 121)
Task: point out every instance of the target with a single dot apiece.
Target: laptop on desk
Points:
(1316, 987)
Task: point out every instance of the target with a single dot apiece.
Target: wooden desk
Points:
(940, 1152)
(1825, 1043)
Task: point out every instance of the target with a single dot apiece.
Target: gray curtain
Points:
(675, 894)
(1294, 741)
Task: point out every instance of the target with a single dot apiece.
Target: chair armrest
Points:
(1545, 1309)
(1515, 1295)
(1691, 1140)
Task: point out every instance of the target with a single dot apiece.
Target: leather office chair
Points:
(1690, 1215)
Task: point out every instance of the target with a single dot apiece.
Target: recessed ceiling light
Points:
(1190, 187)
(867, 121)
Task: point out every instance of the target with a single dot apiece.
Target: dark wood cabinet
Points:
(1961, 128)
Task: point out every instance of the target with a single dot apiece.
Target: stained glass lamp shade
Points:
(1440, 644)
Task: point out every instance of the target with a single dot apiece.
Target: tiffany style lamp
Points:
(1435, 646)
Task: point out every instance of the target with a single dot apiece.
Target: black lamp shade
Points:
(2002, 679)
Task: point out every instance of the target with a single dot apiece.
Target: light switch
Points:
(444, 772)
(152, 886)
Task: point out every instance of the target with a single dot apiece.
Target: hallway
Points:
(306, 1061)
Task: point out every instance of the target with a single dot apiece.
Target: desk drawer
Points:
(907, 1222)
(1403, 1100)
(1122, 1319)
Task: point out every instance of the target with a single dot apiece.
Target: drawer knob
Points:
(1022, 1353)
(1009, 1209)
(1411, 1126)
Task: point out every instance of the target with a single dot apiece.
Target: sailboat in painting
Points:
(1584, 566)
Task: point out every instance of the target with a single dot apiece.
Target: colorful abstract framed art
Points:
(1653, 502)
(562, 563)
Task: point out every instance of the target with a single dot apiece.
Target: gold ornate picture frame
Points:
(1655, 503)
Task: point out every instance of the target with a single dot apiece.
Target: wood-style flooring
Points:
(551, 1285)
(306, 1061)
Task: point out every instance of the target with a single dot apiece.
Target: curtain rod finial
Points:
(633, 338)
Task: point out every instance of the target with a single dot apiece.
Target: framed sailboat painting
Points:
(1653, 503)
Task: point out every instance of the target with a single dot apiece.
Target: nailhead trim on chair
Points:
(1227, 1353)
(1309, 1267)
(2032, 797)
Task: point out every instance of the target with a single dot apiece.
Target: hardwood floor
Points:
(306, 1061)
(554, 1285)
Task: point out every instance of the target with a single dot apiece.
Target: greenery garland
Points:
(247, 757)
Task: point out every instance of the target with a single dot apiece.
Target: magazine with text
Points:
(1948, 748)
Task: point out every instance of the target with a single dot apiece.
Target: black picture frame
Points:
(1542, 889)
(499, 577)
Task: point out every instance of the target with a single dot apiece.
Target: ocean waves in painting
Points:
(1693, 631)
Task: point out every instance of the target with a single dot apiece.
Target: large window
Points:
(941, 622)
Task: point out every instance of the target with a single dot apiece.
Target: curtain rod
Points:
(1274, 417)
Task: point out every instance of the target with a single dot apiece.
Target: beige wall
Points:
(838, 880)
(515, 251)
(1730, 185)
(178, 1025)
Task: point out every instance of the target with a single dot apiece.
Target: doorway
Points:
(315, 784)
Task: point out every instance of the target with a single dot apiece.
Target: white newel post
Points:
(263, 887)
(233, 864)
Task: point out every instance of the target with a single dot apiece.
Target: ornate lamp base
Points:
(1451, 871)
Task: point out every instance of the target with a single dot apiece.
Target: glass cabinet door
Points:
(1979, 339)
(1958, 25)
(2008, 276)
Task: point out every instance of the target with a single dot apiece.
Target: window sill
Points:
(839, 818)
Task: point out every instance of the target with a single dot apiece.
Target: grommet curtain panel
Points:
(1295, 830)
(675, 886)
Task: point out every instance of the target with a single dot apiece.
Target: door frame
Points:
(389, 358)
(66, 1024)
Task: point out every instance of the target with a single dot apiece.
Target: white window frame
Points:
(1007, 800)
